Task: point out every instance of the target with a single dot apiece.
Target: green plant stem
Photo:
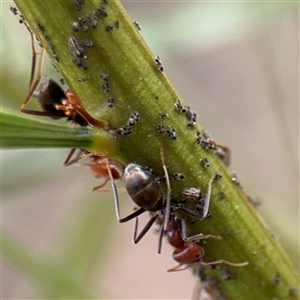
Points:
(21, 131)
(136, 84)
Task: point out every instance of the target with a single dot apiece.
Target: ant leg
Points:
(116, 200)
(136, 237)
(168, 200)
(80, 155)
(132, 216)
(190, 212)
(177, 268)
(98, 187)
(33, 84)
(33, 58)
(207, 198)
(68, 160)
(196, 237)
(222, 261)
(197, 291)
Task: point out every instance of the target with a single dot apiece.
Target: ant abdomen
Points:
(50, 94)
(142, 187)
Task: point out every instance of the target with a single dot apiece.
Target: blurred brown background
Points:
(237, 65)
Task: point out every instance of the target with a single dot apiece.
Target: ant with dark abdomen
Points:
(54, 101)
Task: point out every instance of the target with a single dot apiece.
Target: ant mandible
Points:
(54, 101)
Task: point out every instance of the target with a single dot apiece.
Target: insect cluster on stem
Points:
(143, 187)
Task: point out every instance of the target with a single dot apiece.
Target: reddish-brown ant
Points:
(98, 165)
(170, 212)
(54, 101)
(186, 250)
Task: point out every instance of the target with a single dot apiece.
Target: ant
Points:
(167, 213)
(98, 165)
(186, 250)
(54, 101)
(144, 190)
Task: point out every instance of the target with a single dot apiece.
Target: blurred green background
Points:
(237, 65)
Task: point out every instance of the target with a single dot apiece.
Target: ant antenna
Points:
(222, 261)
(207, 198)
(168, 200)
(115, 191)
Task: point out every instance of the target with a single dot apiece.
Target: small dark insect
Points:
(109, 27)
(76, 26)
(137, 25)
(79, 63)
(88, 43)
(222, 195)
(177, 176)
(205, 140)
(277, 279)
(21, 19)
(78, 4)
(117, 24)
(133, 118)
(41, 27)
(82, 79)
(53, 50)
(124, 130)
(80, 24)
(178, 106)
(205, 163)
(171, 133)
(104, 76)
(14, 10)
(101, 11)
(94, 22)
(160, 128)
(195, 194)
(163, 115)
(105, 87)
(76, 47)
(198, 138)
(48, 38)
(192, 118)
(110, 102)
(91, 20)
(158, 63)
